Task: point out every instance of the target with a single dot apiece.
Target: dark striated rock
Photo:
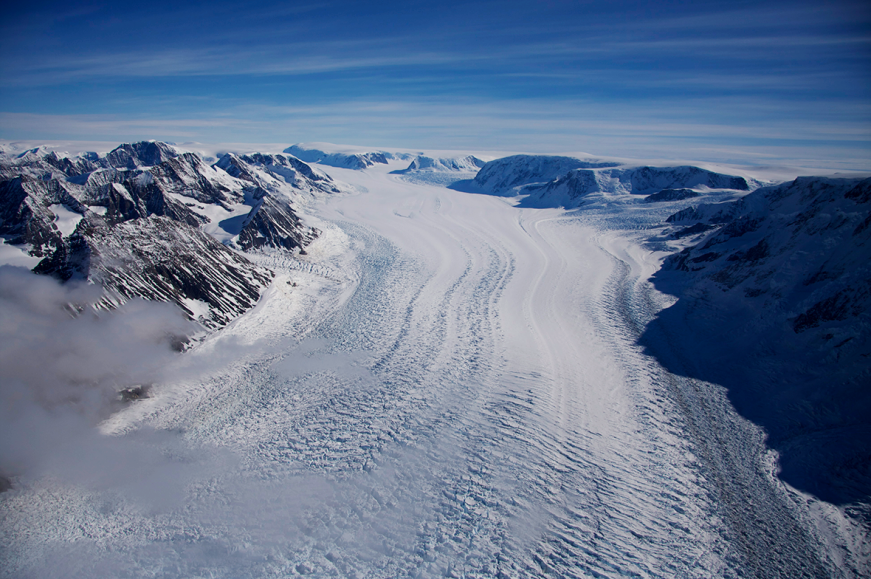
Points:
(142, 154)
(273, 224)
(754, 254)
(710, 256)
(134, 393)
(72, 167)
(283, 167)
(188, 176)
(670, 195)
(849, 302)
(70, 260)
(692, 230)
(164, 260)
(25, 214)
(142, 207)
(861, 193)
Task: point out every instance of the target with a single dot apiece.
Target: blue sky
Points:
(755, 82)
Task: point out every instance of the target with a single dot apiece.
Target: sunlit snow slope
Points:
(447, 385)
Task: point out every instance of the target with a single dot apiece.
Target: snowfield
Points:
(446, 384)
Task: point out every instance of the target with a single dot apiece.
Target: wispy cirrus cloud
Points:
(530, 76)
(667, 129)
(336, 56)
(273, 61)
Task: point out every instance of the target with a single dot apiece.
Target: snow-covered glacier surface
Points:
(445, 385)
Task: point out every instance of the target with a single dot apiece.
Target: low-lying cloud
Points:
(63, 363)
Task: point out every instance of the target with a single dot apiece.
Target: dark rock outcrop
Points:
(671, 195)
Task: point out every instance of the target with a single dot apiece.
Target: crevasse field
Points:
(445, 385)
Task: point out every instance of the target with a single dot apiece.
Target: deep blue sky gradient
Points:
(760, 82)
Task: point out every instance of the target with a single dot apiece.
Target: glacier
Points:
(533, 372)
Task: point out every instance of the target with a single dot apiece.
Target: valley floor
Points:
(447, 385)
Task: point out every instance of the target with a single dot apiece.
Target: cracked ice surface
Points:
(446, 385)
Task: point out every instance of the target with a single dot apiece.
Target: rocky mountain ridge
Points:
(146, 220)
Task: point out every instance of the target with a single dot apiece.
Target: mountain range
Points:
(147, 220)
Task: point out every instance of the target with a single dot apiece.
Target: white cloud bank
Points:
(61, 371)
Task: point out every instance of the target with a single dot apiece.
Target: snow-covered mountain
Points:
(146, 220)
(443, 171)
(776, 289)
(800, 249)
(550, 181)
(40, 162)
(422, 163)
(343, 158)
(503, 176)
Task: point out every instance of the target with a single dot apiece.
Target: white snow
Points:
(199, 309)
(224, 225)
(144, 179)
(62, 148)
(65, 220)
(17, 255)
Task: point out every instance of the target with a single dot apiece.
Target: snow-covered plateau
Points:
(407, 367)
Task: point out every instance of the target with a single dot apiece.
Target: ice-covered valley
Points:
(445, 384)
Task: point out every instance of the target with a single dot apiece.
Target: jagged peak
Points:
(140, 154)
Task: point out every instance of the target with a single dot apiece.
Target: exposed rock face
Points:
(164, 260)
(142, 154)
(25, 214)
(37, 163)
(262, 170)
(817, 218)
(802, 249)
(148, 221)
(273, 225)
(671, 195)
